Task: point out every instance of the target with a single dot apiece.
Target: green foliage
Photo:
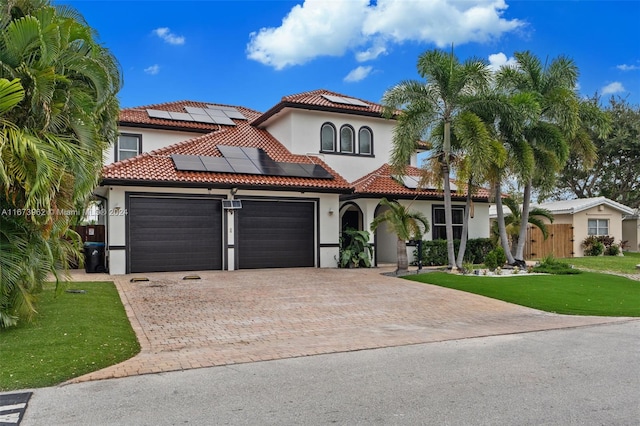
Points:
(434, 252)
(616, 174)
(584, 294)
(501, 258)
(58, 113)
(73, 334)
(355, 249)
(551, 265)
(624, 264)
(491, 260)
(595, 245)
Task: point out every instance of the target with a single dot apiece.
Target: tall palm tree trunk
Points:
(504, 239)
(524, 222)
(448, 217)
(465, 228)
(403, 260)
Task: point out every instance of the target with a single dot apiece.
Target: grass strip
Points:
(73, 334)
(585, 294)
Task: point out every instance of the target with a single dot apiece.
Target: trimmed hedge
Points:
(434, 253)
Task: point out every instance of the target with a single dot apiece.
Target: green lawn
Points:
(584, 294)
(73, 334)
(625, 264)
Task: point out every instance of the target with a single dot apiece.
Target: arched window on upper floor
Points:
(328, 138)
(365, 141)
(346, 139)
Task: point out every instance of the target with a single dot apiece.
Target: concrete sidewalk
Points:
(231, 317)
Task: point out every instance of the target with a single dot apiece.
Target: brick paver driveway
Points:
(253, 315)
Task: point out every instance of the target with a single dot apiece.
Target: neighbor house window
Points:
(328, 137)
(598, 226)
(439, 224)
(128, 146)
(365, 141)
(346, 139)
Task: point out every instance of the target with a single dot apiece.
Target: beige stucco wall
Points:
(580, 228)
(631, 233)
(328, 207)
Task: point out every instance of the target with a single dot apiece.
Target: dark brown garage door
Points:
(276, 234)
(174, 234)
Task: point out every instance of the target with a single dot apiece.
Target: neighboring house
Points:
(575, 220)
(631, 231)
(199, 186)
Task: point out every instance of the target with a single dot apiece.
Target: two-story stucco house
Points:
(201, 186)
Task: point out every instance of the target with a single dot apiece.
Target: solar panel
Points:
(216, 164)
(202, 118)
(223, 120)
(188, 163)
(215, 112)
(231, 151)
(155, 113)
(345, 101)
(182, 116)
(234, 113)
(247, 160)
(411, 182)
(194, 110)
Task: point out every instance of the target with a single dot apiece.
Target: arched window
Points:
(365, 141)
(346, 139)
(328, 137)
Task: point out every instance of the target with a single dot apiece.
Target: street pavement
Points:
(575, 376)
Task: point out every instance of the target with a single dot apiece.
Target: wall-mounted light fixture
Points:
(330, 211)
(234, 191)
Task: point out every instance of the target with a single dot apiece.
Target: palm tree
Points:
(548, 135)
(450, 86)
(514, 219)
(52, 140)
(405, 224)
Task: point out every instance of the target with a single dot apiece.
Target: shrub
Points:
(613, 250)
(491, 260)
(551, 265)
(434, 253)
(595, 245)
(355, 250)
(501, 258)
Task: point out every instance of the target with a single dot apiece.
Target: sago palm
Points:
(406, 224)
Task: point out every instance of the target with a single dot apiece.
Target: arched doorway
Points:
(385, 241)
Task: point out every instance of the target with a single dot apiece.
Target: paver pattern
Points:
(230, 317)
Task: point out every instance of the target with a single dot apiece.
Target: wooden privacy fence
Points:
(559, 243)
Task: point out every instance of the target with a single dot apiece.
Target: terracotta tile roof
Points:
(315, 100)
(138, 116)
(381, 182)
(157, 166)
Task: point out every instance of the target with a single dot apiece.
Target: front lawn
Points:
(73, 334)
(625, 264)
(584, 294)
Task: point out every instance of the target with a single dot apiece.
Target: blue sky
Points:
(251, 53)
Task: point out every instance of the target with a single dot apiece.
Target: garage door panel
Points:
(276, 234)
(174, 234)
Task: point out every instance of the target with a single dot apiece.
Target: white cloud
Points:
(165, 34)
(625, 67)
(153, 69)
(498, 60)
(615, 87)
(331, 28)
(358, 74)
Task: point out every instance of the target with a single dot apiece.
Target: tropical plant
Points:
(53, 132)
(355, 249)
(512, 222)
(556, 130)
(405, 224)
(437, 105)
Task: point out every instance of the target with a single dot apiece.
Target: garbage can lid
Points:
(93, 244)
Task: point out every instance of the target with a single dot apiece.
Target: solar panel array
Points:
(345, 101)
(212, 114)
(246, 160)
